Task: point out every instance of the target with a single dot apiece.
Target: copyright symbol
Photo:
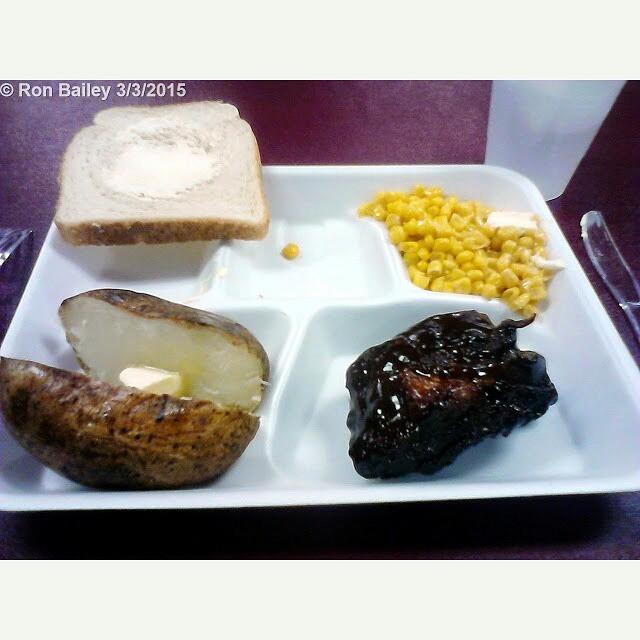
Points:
(6, 89)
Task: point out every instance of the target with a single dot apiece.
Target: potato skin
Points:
(106, 436)
(154, 308)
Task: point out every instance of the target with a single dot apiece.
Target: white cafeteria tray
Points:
(347, 291)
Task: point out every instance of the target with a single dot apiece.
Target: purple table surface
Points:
(328, 122)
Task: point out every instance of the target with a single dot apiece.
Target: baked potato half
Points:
(110, 436)
(217, 359)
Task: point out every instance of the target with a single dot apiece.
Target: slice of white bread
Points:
(162, 174)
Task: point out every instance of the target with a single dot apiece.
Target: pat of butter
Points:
(550, 265)
(519, 219)
(152, 380)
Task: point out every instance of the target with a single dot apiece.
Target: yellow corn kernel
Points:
(387, 196)
(396, 208)
(291, 251)
(435, 268)
(428, 241)
(504, 261)
(420, 280)
(433, 211)
(456, 246)
(423, 253)
(493, 278)
(463, 285)
(406, 247)
(437, 201)
(464, 256)
(522, 254)
(411, 212)
(480, 259)
(393, 220)
(508, 246)
(442, 244)
(455, 274)
(445, 209)
(457, 221)
(532, 282)
(411, 257)
(475, 275)
(509, 278)
(397, 234)
(422, 265)
(449, 264)
(496, 243)
(423, 227)
(537, 293)
(437, 284)
(379, 213)
(442, 229)
(529, 310)
(508, 233)
(521, 301)
(447, 287)
(412, 270)
(475, 241)
(477, 287)
(468, 266)
(464, 208)
(526, 241)
(365, 209)
(489, 291)
(437, 255)
(487, 231)
(411, 227)
(518, 269)
(509, 295)
(529, 271)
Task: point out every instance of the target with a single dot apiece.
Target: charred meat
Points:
(440, 387)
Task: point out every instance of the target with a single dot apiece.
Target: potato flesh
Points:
(109, 339)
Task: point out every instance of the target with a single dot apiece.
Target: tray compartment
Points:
(310, 440)
(173, 271)
(340, 255)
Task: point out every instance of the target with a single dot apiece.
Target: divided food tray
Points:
(347, 291)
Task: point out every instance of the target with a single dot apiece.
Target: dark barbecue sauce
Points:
(440, 387)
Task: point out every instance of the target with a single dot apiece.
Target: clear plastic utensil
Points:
(16, 253)
(9, 240)
(611, 266)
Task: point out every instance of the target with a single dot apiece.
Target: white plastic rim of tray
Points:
(347, 291)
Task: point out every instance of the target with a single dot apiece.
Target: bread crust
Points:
(128, 232)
